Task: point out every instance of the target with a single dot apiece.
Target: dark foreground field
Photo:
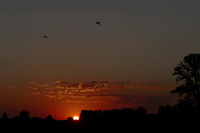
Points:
(111, 121)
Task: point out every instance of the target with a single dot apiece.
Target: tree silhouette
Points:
(49, 117)
(141, 110)
(188, 75)
(24, 115)
(5, 116)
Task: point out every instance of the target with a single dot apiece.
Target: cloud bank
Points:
(107, 92)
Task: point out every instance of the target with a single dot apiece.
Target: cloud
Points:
(99, 91)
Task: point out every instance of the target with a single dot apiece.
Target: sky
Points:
(125, 62)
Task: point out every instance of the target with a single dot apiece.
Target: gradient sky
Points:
(127, 61)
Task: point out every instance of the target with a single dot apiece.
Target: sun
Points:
(76, 118)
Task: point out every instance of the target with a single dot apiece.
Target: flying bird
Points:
(45, 37)
(98, 22)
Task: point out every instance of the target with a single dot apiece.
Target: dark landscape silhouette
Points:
(178, 118)
(184, 117)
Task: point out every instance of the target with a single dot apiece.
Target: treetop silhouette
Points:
(188, 75)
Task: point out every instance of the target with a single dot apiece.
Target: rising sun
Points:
(76, 118)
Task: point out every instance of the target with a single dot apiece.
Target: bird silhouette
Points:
(98, 22)
(45, 37)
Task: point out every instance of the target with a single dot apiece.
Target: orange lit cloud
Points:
(131, 92)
